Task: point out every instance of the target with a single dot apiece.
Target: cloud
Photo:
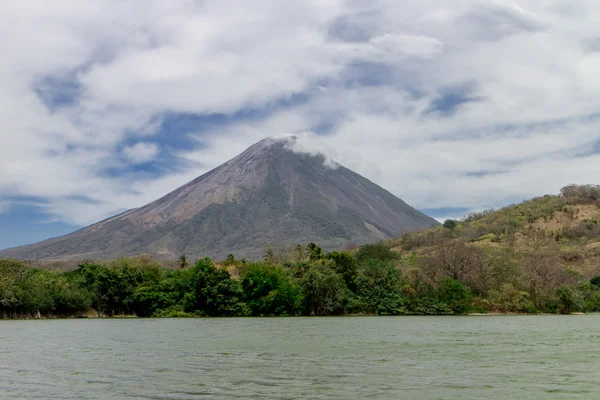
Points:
(413, 45)
(497, 20)
(4, 206)
(141, 152)
(450, 105)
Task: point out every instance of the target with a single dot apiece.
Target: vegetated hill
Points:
(528, 253)
(268, 195)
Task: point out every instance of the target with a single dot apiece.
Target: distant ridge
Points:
(267, 195)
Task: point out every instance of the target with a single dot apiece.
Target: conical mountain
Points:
(269, 195)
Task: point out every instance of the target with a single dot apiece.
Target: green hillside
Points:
(537, 255)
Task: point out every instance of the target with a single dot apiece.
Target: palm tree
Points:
(182, 262)
(299, 253)
(270, 257)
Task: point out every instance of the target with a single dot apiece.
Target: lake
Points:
(476, 357)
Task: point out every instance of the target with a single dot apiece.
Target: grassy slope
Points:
(565, 227)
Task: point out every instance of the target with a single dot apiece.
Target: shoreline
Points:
(98, 316)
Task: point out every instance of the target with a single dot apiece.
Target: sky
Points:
(452, 105)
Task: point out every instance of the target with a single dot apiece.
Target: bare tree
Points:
(470, 264)
(489, 268)
(449, 259)
(270, 257)
(546, 274)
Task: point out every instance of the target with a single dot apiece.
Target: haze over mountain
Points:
(268, 195)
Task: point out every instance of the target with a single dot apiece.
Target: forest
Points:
(374, 281)
(317, 283)
(540, 256)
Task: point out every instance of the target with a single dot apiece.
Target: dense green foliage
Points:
(269, 290)
(538, 256)
(373, 281)
(31, 291)
(450, 224)
(314, 283)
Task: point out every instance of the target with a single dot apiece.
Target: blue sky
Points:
(452, 106)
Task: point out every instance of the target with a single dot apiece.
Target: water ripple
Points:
(288, 358)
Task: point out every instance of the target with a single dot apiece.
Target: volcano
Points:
(270, 195)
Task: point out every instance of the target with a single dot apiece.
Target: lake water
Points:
(478, 357)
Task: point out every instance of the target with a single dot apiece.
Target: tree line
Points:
(452, 278)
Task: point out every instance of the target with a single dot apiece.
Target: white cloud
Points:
(392, 43)
(369, 71)
(4, 206)
(141, 152)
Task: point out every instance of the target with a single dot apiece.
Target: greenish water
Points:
(501, 357)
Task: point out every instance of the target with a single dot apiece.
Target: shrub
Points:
(408, 242)
(592, 301)
(455, 295)
(507, 298)
(581, 194)
(269, 290)
(379, 289)
(477, 215)
(213, 292)
(173, 312)
(324, 291)
(570, 299)
(490, 237)
(346, 266)
(428, 306)
(450, 224)
(376, 251)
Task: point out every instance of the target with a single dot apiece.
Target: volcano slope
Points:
(269, 195)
